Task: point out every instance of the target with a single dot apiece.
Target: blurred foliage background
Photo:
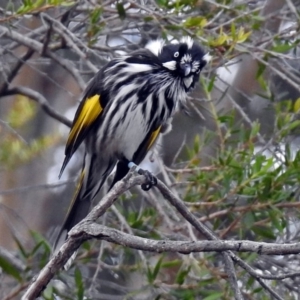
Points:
(233, 158)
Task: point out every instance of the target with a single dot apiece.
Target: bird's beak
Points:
(186, 68)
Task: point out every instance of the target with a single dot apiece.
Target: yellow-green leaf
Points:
(297, 105)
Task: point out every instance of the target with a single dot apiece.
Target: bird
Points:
(124, 109)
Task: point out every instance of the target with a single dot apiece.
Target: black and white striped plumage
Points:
(124, 109)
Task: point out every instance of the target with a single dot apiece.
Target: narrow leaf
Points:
(121, 11)
(8, 268)
(79, 284)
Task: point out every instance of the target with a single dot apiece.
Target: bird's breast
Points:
(138, 106)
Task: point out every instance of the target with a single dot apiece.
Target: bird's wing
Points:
(147, 143)
(89, 111)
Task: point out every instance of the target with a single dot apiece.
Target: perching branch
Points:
(73, 243)
(88, 229)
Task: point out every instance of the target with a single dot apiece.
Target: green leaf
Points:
(233, 30)
(149, 275)
(173, 27)
(254, 129)
(48, 293)
(67, 3)
(148, 19)
(27, 2)
(225, 119)
(157, 267)
(275, 217)
(42, 245)
(211, 83)
(79, 284)
(197, 144)
(181, 275)
(38, 3)
(121, 11)
(293, 125)
(8, 268)
(195, 22)
(264, 232)
(261, 69)
(242, 35)
(258, 290)
(21, 248)
(214, 296)
(172, 263)
(220, 40)
(95, 15)
(297, 106)
(250, 282)
(282, 48)
(163, 3)
(248, 219)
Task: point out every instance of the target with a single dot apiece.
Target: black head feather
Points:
(183, 59)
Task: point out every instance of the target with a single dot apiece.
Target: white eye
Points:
(176, 54)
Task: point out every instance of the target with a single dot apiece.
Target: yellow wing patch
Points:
(75, 198)
(153, 137)
(90, 111)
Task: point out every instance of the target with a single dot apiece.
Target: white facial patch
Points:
(187, 40)
(187, 58)
(155, 46)
(171, 65)
(188, 81)
(195, 66)
(207, 57)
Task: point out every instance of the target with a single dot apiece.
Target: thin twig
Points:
(14, 71)
(204, 230)
(36, 96)
(39, 47)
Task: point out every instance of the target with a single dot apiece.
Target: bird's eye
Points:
(176, 54)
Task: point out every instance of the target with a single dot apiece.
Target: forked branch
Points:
(88, 229)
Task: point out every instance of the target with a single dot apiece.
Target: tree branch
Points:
(36, 96)
(73, 243)
(15, 69)
(88, 229)
(39, 48)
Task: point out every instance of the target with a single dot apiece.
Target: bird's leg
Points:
(151, 179)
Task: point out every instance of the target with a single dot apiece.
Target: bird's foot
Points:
(151, 180)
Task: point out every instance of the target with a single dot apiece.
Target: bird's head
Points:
(185, 59)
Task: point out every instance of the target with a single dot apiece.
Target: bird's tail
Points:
(93, 175)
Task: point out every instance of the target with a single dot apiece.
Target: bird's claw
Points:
(151, 180)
